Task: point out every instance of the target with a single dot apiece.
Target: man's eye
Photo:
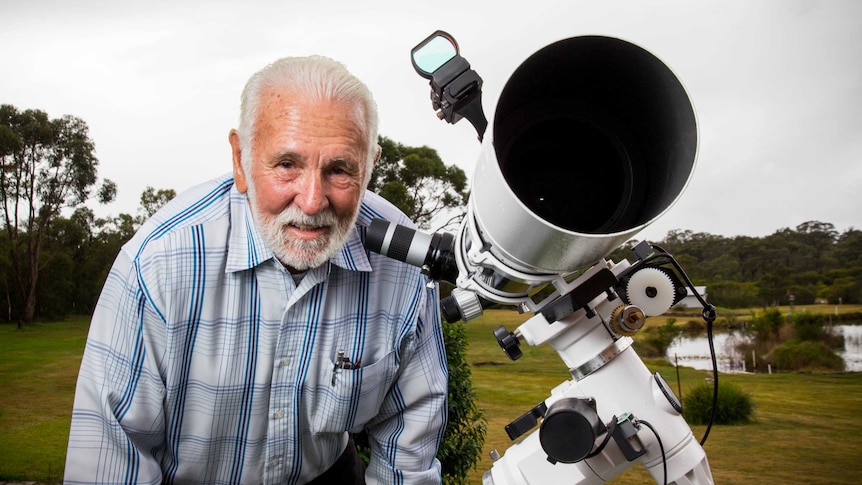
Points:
(342, 169)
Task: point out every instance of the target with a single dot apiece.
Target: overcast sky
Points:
(777, 85)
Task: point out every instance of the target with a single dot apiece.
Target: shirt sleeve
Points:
(405, 437)
(117, 431)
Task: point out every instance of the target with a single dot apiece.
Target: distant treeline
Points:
(809, 264)
(77, 253)
(812, 262)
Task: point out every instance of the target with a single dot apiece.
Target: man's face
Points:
(306, 177)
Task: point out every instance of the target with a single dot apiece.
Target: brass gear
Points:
(627, 320)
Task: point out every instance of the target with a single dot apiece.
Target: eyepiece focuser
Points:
(431, 252)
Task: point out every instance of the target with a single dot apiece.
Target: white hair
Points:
(318, 78)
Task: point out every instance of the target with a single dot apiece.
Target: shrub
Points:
(808, 326)
(734, 405)
(849, 317)
(721, 323)
(805, 355)
(694, 327)
(465, 430)
(752, 353)
(766, 325)
(654, 341)
(835, 340)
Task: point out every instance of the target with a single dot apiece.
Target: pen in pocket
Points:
(342, 362)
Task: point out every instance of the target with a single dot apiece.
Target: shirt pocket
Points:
(354, 397)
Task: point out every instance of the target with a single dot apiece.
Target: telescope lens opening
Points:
(595, 135)
(574, 175)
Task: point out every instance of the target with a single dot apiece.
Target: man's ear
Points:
(379, 151)
(370, 168)
(238, 172)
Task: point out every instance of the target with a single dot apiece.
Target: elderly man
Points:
(244, 330)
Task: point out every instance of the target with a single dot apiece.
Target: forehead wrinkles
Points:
(308, 120)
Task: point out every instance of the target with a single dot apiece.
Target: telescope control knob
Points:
(461, 305)
(508, 342)
(627, 320)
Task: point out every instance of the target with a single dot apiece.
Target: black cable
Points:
(708, 315)
(660, 447)
(608, 434)
(712, 413)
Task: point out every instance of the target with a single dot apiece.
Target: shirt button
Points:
(278, 414)
(274, 462)
(284, 362)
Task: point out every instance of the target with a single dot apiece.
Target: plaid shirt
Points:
(207, 363)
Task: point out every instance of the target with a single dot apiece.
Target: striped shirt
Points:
(207, 363)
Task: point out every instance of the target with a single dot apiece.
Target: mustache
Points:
(293, 216)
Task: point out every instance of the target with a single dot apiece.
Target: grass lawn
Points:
(808, 427)
(807, 430)
(38, 369)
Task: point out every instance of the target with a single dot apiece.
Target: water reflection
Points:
(694, 351)
(852, 353)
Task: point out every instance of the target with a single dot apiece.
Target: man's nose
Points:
(311, 193)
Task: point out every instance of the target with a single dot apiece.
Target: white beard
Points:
(301, 254)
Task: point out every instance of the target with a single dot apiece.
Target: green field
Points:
(38, 368)
(808, 428)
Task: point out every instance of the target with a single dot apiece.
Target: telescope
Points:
(592, 139)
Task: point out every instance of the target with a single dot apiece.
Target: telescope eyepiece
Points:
(434, 253)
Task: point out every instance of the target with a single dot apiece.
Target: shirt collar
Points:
(246, 248)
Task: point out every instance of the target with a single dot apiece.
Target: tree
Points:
(418, 182)
(734, 294)
(46, 165)
(67, 254)
(848, 249)
(152, 200)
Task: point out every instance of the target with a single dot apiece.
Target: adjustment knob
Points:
(508, 342)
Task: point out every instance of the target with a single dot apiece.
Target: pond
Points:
(694, 351)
